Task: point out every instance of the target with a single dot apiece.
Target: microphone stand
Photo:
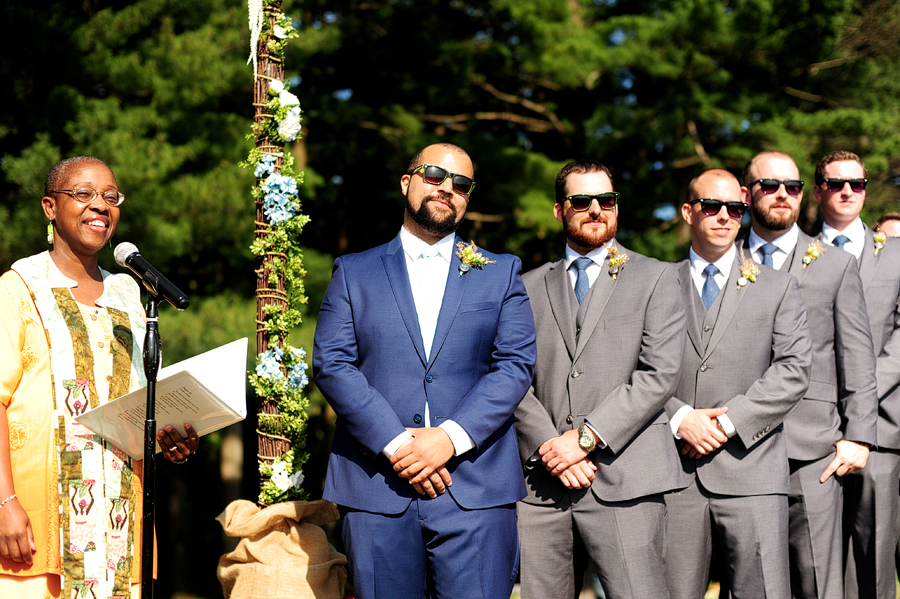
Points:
(151, 369)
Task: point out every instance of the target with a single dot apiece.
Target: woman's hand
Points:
(16, 538)
(176, 448)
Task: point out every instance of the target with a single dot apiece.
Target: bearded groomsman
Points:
(871, 505)
(829, 433)
(592, 431)
(745, 367)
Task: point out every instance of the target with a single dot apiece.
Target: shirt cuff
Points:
(395, 444)
(461, 440)
(601, 444)
(727, 425)
(676, 419)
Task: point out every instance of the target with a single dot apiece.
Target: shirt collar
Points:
(597, 255)
(855, 232)
(786, 242)
(723, 264)
(413, 246)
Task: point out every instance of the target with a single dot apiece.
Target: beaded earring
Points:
(50, 232)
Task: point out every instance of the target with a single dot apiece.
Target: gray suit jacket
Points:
(841, 402)
(616, 373)
(752, 353)
(881, 284)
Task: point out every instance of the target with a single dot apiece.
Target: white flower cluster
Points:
(289, 124)
(284, 481)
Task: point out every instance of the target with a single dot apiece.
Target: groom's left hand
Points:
(428, 451)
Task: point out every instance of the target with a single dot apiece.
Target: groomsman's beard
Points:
(590, 241)
(426, 218)
(774, 222)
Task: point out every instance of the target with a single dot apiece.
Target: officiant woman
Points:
(70, 339)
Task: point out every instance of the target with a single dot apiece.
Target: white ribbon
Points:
(255, 17)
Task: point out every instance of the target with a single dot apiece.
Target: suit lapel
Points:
(691, 298)
(601, 290)
(794, 262)
(395, 267)
(558, 289)
(453, 294)
(731, 301)
(868, 261)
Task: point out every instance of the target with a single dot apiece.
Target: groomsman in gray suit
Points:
(746, 365)
(592, 431)
(829, 433)
(871, 504)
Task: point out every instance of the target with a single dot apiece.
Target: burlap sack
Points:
(283, 552)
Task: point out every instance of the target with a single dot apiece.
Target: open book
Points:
(208, 391)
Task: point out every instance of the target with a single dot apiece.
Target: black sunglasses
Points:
(792, 186)
(435, 175)
(582, 201)
(711, 207)
(857, 185)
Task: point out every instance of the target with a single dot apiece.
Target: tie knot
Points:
(582, 263)
(430, 253)
(710, 271)
(840, 241)
(768, 249)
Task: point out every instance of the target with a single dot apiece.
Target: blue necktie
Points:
(840, 241)
(710, 287)
(582, 285)
(767, 250)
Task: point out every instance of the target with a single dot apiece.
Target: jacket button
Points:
(703, 367)
(417, 419)
(428, 378)
(707, 328)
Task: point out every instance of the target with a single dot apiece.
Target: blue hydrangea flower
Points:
(278, 202)
(265, 166)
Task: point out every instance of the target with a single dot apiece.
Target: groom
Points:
(424, 351)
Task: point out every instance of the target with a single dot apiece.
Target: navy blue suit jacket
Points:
(369, 361)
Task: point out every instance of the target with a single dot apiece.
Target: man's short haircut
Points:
(417, 159)
(61, 170)
(886, 217)
(718, 173)
(839, 156)
(578, 167)
(745, 176)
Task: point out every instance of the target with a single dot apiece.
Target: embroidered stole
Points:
(96, 479)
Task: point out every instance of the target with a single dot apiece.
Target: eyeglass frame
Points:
(424, 166)
(727, 205)
(594, 196)
(780, 183)
(827, 183)
(71, 192)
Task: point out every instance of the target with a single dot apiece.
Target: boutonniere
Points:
(814, 250)
(880, 238)
(470, 257)
(617, 261)
(749, 271)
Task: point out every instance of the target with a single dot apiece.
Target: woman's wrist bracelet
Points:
(8, 499)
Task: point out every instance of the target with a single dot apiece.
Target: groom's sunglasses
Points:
(792, 186)
(581, 202)
(435, 175)
(856, 185)
(711, 207)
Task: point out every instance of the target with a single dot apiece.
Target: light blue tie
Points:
(710, 287)
(840, 241)
(767, 250)
(582, 285)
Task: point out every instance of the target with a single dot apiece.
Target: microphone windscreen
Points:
(123, 251)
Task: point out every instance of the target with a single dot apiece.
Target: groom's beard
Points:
(428, 219)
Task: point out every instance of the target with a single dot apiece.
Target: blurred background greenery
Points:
(658, 90)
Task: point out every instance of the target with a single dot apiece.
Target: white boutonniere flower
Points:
(617, 261)
(470, 257)
(749, 271)
(814, 250)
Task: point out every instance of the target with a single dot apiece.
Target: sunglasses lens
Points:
(434, 175)
(462, 185)
(793, 188)
(769, 185)
(857, 185)
(710, 207)
(736, 209)
(607, 201)
(580, 203)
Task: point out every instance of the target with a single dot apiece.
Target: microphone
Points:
(127, 255)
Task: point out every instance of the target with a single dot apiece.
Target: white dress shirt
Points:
(855, 232)
(785, 245)
(428, 267)
(698, 264)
